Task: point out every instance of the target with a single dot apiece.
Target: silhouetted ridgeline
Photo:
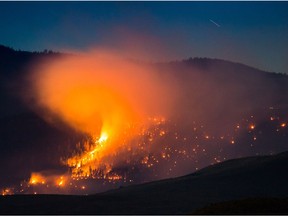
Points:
(221, 91)
(13, 62)
(204, 80)
(13, 67)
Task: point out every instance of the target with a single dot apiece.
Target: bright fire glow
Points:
(37, 178)
(105, 96)
(103, 137)
(90, 166)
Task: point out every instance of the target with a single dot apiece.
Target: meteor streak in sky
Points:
(214, 23)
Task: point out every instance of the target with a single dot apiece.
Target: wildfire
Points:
(97, 158)
(110, 98)
(7, 191)
(115, 105)
(36, 178)
(136, 156)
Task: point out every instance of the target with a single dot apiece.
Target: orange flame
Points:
(36, 178)
(103, 95)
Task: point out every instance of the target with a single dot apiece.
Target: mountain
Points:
(215, 92)
(260, 178)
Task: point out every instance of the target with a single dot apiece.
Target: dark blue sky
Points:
(253, 33)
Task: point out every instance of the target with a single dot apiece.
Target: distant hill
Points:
(221, 91)
(259, 177)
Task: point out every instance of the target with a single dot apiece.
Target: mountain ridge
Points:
(198, 61)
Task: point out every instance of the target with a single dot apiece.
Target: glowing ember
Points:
(60, 182)
(7, 191)
(37, 179)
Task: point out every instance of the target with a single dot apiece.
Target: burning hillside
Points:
(163, 150)
(129, 113)
(112, 103)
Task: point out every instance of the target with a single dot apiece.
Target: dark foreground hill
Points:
(258, 177)
(250, 206)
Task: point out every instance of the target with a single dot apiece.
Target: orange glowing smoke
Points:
(101, 94)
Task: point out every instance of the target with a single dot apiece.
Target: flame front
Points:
(37, 178)
(89, 160)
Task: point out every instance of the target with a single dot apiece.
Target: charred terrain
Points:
(227, 117)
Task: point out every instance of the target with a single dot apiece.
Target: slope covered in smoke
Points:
(221, 91)
(253, 177)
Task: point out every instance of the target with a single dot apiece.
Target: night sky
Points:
(253, 33)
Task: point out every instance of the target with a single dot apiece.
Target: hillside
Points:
(215, 96)
(253, 177)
